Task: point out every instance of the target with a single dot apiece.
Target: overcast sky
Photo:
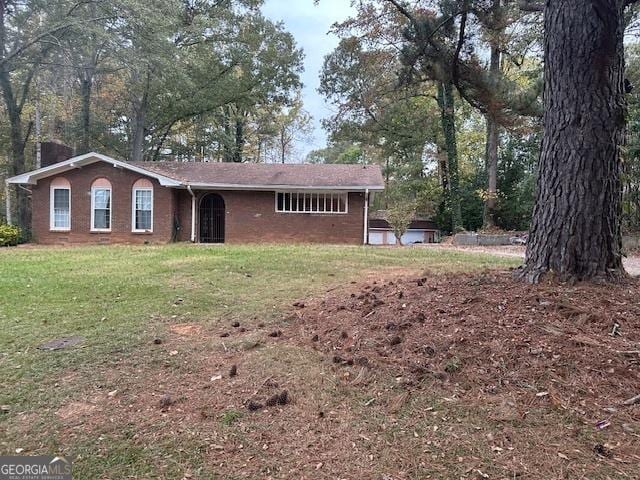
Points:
(310, 24)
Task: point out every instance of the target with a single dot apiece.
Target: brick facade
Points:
(121, 190)
(251, 218)
(250, 215)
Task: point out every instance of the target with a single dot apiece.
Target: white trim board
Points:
(31, 178)
(287, 188)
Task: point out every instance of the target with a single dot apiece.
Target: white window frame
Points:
(52, 222)
(133, 210)
(93, 209)
(316, 198)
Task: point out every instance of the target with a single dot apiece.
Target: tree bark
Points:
(139, 122)
(86, 85)
(283, 144)
(575, 230)
(14, 108)
(493, 133)
(86, 76)
(239, 145)
(228, 150)
(493, 142)
(448, 120)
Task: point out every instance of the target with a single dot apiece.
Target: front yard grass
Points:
(121, 298)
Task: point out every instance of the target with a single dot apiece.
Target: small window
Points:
(60, 202)
(311, 202)
(101, 206)
(142, 208)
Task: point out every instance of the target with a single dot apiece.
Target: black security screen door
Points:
(212, 219)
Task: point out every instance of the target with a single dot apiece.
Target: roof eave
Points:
(31, 178)
(232, 186)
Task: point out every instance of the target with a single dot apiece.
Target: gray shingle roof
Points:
(269, 175)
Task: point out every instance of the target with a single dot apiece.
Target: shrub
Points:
(9, 235)
(399, 217)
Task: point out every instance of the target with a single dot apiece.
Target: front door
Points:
(212, 219)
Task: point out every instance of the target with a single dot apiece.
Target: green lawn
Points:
(119, 298)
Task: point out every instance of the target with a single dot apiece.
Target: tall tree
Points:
(442, 44)
(29, 31)
(575, 232)
(496, 27)
(293, 125)
(450, 176)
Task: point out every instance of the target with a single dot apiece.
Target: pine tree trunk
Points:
(140, 121)
(239, 145)
(228, 150)
(493, 139)
(575, 231)
(137, 145)
(86, 84)
(448, 119)
(493, 135)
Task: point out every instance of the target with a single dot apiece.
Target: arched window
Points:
(142, 206)
(60, 205)
(101, 205)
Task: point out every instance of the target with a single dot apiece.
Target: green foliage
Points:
(453, 365)
(9, 235)
(154, 79)
(516, 182)
(387, 99)
(399, 216)
(631, 152)
(229, 417)
(339, 152)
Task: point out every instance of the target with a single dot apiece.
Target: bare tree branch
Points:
(530, 6)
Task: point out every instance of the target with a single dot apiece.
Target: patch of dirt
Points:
(74, 412)
(186, 329)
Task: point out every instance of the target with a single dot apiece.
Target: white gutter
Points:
(366, 217)
(286, 188)
(7, 197)
(193, 214)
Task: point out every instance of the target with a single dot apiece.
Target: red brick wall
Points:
(183, 200)
(121, 189)
(251, 218)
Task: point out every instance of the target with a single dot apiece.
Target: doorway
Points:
(212, 213)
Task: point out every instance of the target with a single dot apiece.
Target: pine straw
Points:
(511, 352)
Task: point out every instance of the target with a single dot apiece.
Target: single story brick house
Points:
(93, 198)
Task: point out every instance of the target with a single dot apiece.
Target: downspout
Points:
(193, 214)
(7, 197)
(366, 217)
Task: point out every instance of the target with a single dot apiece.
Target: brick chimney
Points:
(54, 152)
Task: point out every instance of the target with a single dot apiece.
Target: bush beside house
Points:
(9, 235)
